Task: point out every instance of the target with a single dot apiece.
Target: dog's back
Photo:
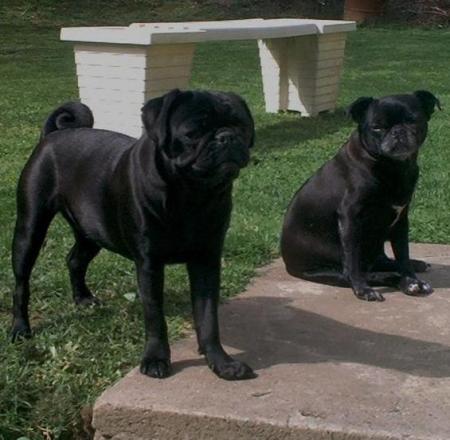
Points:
(69, 143)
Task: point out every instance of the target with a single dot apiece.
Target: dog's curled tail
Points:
(68, 115)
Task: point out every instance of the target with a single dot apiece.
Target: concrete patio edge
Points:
(330, 368)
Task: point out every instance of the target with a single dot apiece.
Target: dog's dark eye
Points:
(377, 129)
(191, 134)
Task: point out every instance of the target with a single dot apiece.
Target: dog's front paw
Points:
(368, 294)
(86, 300)
(232, 369)
(415, 287)
(153, 367)
(20, 330)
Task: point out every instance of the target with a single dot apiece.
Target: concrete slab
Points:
(330, 368)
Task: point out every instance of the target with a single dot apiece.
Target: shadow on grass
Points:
(284, 134)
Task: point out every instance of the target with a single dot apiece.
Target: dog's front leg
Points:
(350, 233)
(204, 278)
(409, 283)
(156, 359)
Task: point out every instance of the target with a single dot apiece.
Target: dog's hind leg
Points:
(78, 260)
(32, 223)
(328, 277)
(374, 279)
(36, 207)
(338, 279)
(386, 264)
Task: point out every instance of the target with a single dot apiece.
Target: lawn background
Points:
(76, 353)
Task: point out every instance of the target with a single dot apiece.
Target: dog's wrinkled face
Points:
(394, 127)
(203, 135)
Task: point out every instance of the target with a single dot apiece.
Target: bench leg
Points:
(116, 80)
(302, 73)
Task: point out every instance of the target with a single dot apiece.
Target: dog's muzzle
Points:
(233, 147)
(399, 144)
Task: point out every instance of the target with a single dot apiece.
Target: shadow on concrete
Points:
(269, 331)
(438, 275)
(282, 334)
(178, 366)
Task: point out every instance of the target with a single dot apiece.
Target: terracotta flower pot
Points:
(361, 10)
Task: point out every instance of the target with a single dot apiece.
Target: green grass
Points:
(77, 353)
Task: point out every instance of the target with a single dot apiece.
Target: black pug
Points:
(337, 223)
(162, 199)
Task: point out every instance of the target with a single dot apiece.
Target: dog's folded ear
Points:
(235, 101)
(241, 102)
(249, 116)
(428, 101)
(358, 109)
(155, 116)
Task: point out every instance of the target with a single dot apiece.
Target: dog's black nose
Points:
(398, 131)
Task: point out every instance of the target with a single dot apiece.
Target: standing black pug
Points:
(162, 199)
(336, 225)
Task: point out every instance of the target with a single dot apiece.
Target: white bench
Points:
(119, 68)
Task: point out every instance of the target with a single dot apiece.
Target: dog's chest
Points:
(398, 209)
(393, 197)
(189, 232)
(181, 245)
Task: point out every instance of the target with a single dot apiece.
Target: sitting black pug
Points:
(337, 223)
(162, 199)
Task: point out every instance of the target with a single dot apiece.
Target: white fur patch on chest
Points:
(398, 210)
